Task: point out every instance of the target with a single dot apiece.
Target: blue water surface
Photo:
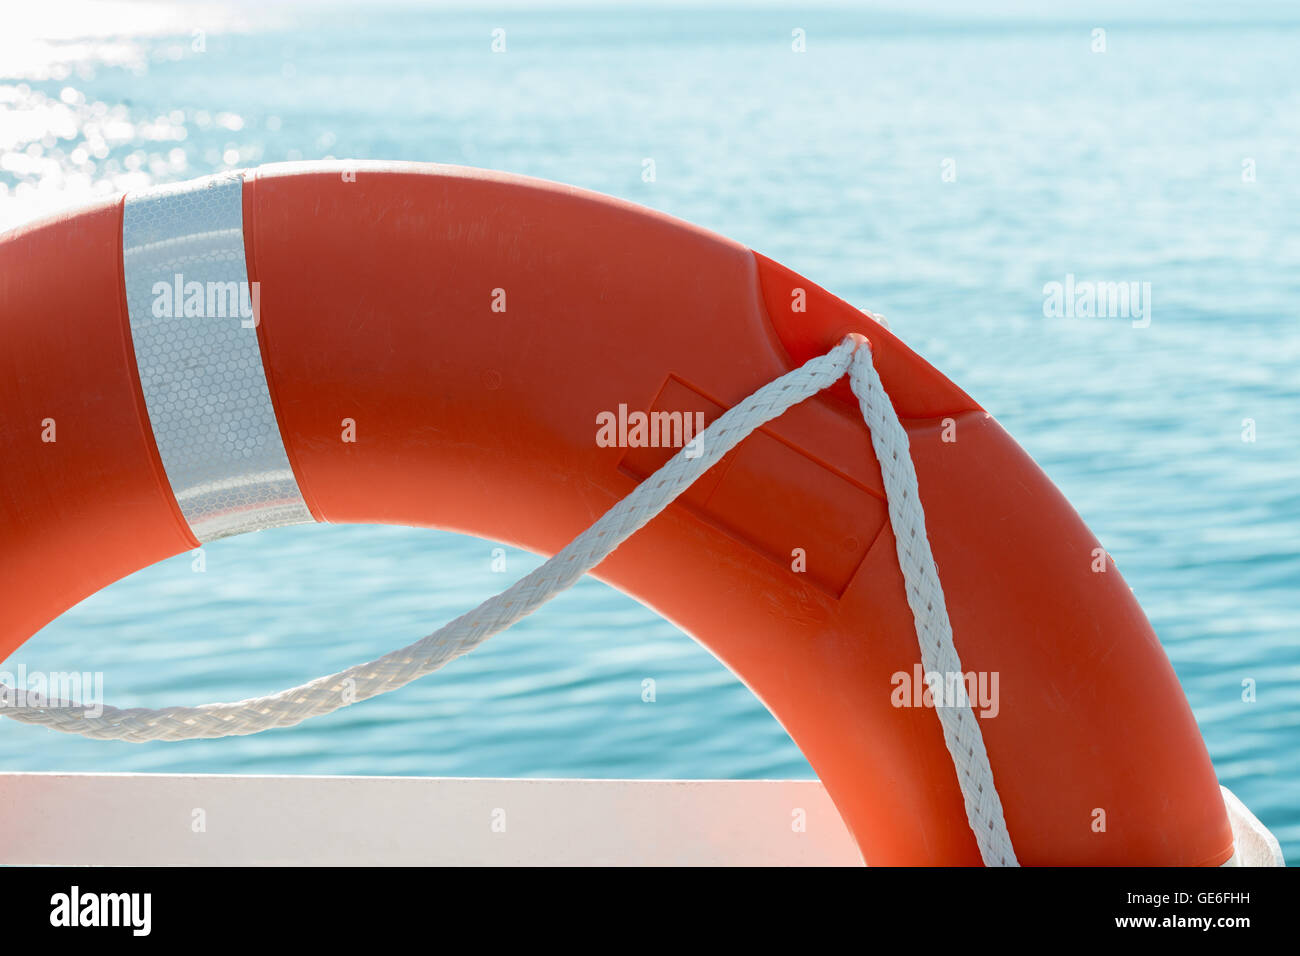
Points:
(924, 161)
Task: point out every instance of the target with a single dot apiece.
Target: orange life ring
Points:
(472, 326)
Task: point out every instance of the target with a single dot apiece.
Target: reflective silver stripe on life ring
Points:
(191, 310)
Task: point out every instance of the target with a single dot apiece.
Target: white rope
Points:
(398, 668)
(961, 732)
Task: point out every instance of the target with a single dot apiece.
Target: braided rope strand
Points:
(398, 668)
(961, 732)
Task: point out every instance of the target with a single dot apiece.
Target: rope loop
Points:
(398, 668)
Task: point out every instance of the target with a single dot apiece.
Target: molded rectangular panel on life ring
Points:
(809, 505)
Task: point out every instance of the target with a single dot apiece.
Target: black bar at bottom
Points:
(617, 909)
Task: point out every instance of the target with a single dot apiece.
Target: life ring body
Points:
(473, 328)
